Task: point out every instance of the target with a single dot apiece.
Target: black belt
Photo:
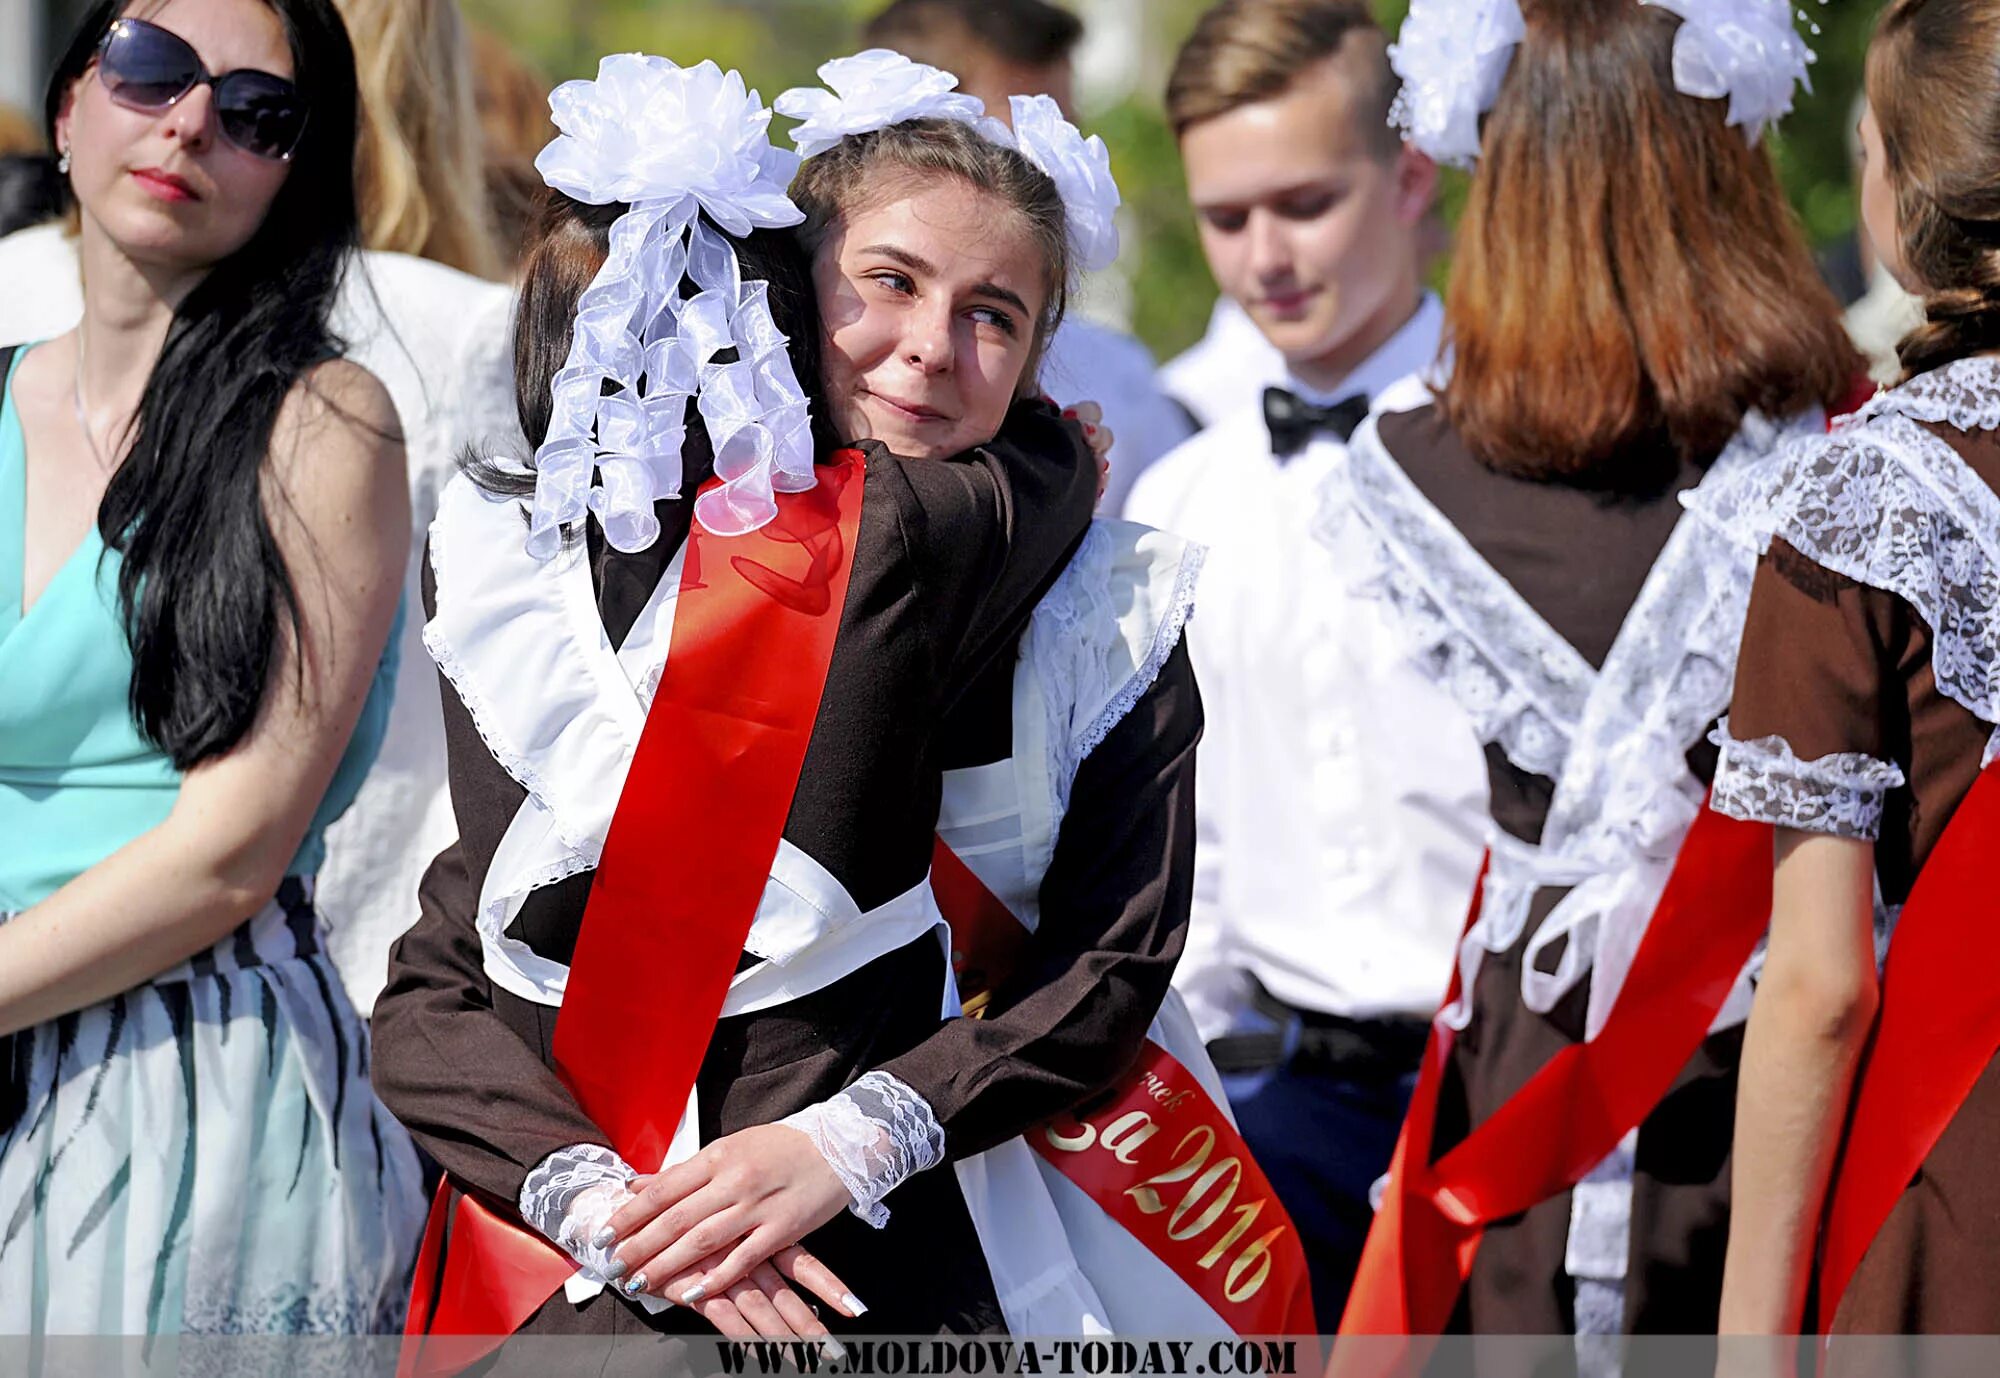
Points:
(1330, 1044)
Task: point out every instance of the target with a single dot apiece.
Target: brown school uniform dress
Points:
(1834, 666)
(1579, 556)
(951, 558)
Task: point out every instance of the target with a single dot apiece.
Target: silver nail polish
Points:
(602, 1239)
(853, 1304)
(616, 1271)
(693, 1295)
(636, 1285)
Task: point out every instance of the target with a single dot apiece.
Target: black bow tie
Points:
(1293, 420)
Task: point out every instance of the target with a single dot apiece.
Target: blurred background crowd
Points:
(1161, 290)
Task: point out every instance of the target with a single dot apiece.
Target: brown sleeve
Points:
(1114, 908)
(986, 534)
(1815, 661)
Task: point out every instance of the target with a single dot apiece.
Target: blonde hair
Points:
(1243, 52)
(418, 170)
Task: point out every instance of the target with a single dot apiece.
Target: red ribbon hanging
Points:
(1715, 908)
(1193, 1196)
(1938, 1028)
(683, 870)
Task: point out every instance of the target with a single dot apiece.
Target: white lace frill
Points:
(1764, 781)
(1094, 667)
(874, 1135)
(1887, 503)
(570, 1196)
(1522, 686)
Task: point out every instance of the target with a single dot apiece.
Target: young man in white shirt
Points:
(1002, 48)
(1341, 799)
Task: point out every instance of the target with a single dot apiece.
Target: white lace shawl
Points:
(1886, 503)
(1614, 740)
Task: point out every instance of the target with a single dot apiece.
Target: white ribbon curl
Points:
(872, 90)
(1081, 170)
(673, 143)
(1452, 56)
(1746, 51)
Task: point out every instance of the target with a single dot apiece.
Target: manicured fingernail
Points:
(693, 1295)
(602, 1239)
(853, 1304)
(616, 1271)
(833, 1351)
(637, 1285)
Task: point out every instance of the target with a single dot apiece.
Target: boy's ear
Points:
(1416, 185)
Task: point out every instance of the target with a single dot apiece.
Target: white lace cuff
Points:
(570, 1196)
(1763, 781)
(873, 1135)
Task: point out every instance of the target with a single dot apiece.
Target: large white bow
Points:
(872, 90)
(1744, 50)
(1081, 170)
(673, 143)
(1452, 56)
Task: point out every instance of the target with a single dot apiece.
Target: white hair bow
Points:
(1081, 170)
(673, 143)
(872, 90)
(1452, 56)
(1746, 51)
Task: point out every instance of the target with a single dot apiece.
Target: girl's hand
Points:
(700, 1227)
(1090, 416)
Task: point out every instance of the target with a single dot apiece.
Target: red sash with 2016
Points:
(1937, 1032)
(683, 870)
(1160, 1157)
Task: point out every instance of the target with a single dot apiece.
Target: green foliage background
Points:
(778, 43)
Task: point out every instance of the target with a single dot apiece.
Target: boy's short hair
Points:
(947, 33)
(1245, 51)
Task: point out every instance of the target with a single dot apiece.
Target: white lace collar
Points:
(1887, 503)
(1963, 394)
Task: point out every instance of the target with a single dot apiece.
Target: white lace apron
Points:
(562, 712)
(1614, 741)
(1096, 644)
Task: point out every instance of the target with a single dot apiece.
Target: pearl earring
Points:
(62, 163)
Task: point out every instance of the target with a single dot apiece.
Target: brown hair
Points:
(1245, 51)
(954, 34)
(512, 99)
(863, 169)
(1934, 85)
(1628, 273)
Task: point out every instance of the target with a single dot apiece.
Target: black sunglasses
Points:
(145, 67)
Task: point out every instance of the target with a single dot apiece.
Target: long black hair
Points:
(567, 244)
(202, 583)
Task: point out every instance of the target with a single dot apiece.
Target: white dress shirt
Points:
(1089, 362)
(1226, 370)
(441, 342)
(1341, 799)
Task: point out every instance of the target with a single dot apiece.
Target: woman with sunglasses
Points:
(203, 521)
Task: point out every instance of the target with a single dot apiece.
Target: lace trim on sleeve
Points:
(571, 1195)
(1764, 781)
(874, 1135)
(1522, 685)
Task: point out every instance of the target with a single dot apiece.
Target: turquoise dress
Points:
(202, 1153)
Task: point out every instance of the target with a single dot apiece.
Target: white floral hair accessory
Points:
(1745, 50)
(672, 143)
(872, 90)
(1081, 170)
(1452, 56)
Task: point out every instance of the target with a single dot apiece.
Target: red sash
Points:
(1939, 1028)
(1715, 907)
(1194, 1196)
(683, 870)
